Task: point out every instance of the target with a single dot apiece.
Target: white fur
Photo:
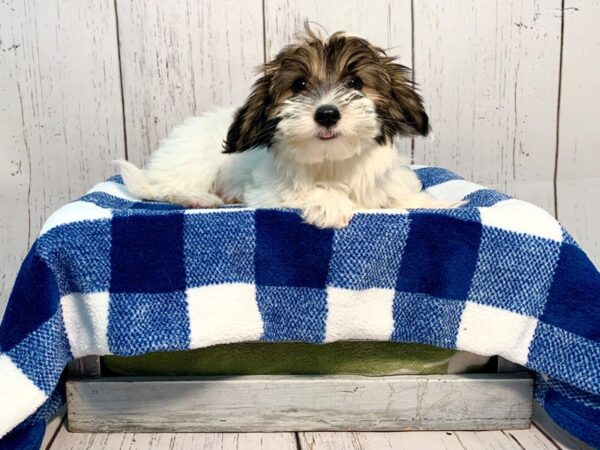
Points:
(337, 177)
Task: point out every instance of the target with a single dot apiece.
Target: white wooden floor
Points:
(532, 439)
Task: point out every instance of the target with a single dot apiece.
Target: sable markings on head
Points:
(324, 64)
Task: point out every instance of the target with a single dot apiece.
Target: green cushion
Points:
(360, 358)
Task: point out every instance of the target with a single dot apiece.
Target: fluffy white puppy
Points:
(316, 133)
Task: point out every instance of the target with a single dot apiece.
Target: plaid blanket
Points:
(110, 274)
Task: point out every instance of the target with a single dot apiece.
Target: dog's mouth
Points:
(326, 135)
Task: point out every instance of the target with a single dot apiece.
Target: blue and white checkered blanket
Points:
(110, 274)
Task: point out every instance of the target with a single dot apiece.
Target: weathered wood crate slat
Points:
(300, 403)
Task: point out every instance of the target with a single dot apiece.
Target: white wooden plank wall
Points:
(489, 74)
(181, 57)
(578, 174)
(60, 114)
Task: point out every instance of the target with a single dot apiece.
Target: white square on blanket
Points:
(223, 313)
(86, 323)
(454, 189)
(364, 314)
(487, 330)
(521, 217)
(19, 396)
(75, 212)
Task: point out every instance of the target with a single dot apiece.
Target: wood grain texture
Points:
(429, 440)
(487, 440)
(578, 174)
(300, 403)
(531, 439)
(53, 427)
(183, 57)
(60, 114)
(170, 441)
(489, 75)
(386, 23)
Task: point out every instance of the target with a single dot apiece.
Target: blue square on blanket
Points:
(431, 176)
(574, 299)
(292, 314)
(426, 319)
(558, 352)
(579, 414)
(156, 206)
(290, 252)
(514, 271)
(147, 253)
(52, 351)
(82, 252)
(485, 198)
(139, 323)
(367, 254)
(440, 256)
(219, 247)
(104, 200)
(33, 300)
(567, 238)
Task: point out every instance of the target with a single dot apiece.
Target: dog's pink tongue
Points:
(327, 135)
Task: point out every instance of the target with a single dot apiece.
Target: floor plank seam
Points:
(514, 438)
(297, 438)
(457, 436)
(548, 436)
(58, 429)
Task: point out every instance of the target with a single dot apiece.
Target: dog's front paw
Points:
(205, 200)
(197, 200)
(330, 214)
(326, 216)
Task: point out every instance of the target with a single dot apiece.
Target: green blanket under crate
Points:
(360, 358)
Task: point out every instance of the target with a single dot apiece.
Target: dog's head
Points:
(328, 99)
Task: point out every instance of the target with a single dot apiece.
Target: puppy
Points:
(316, 134)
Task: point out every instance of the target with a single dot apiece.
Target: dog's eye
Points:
(354, 83)
(299, 85)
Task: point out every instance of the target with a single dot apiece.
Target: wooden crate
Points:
(298, 403)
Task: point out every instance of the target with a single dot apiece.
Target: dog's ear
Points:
(407, 104)
(251, 126)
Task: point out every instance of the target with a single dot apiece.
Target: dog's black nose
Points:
(327, 115)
